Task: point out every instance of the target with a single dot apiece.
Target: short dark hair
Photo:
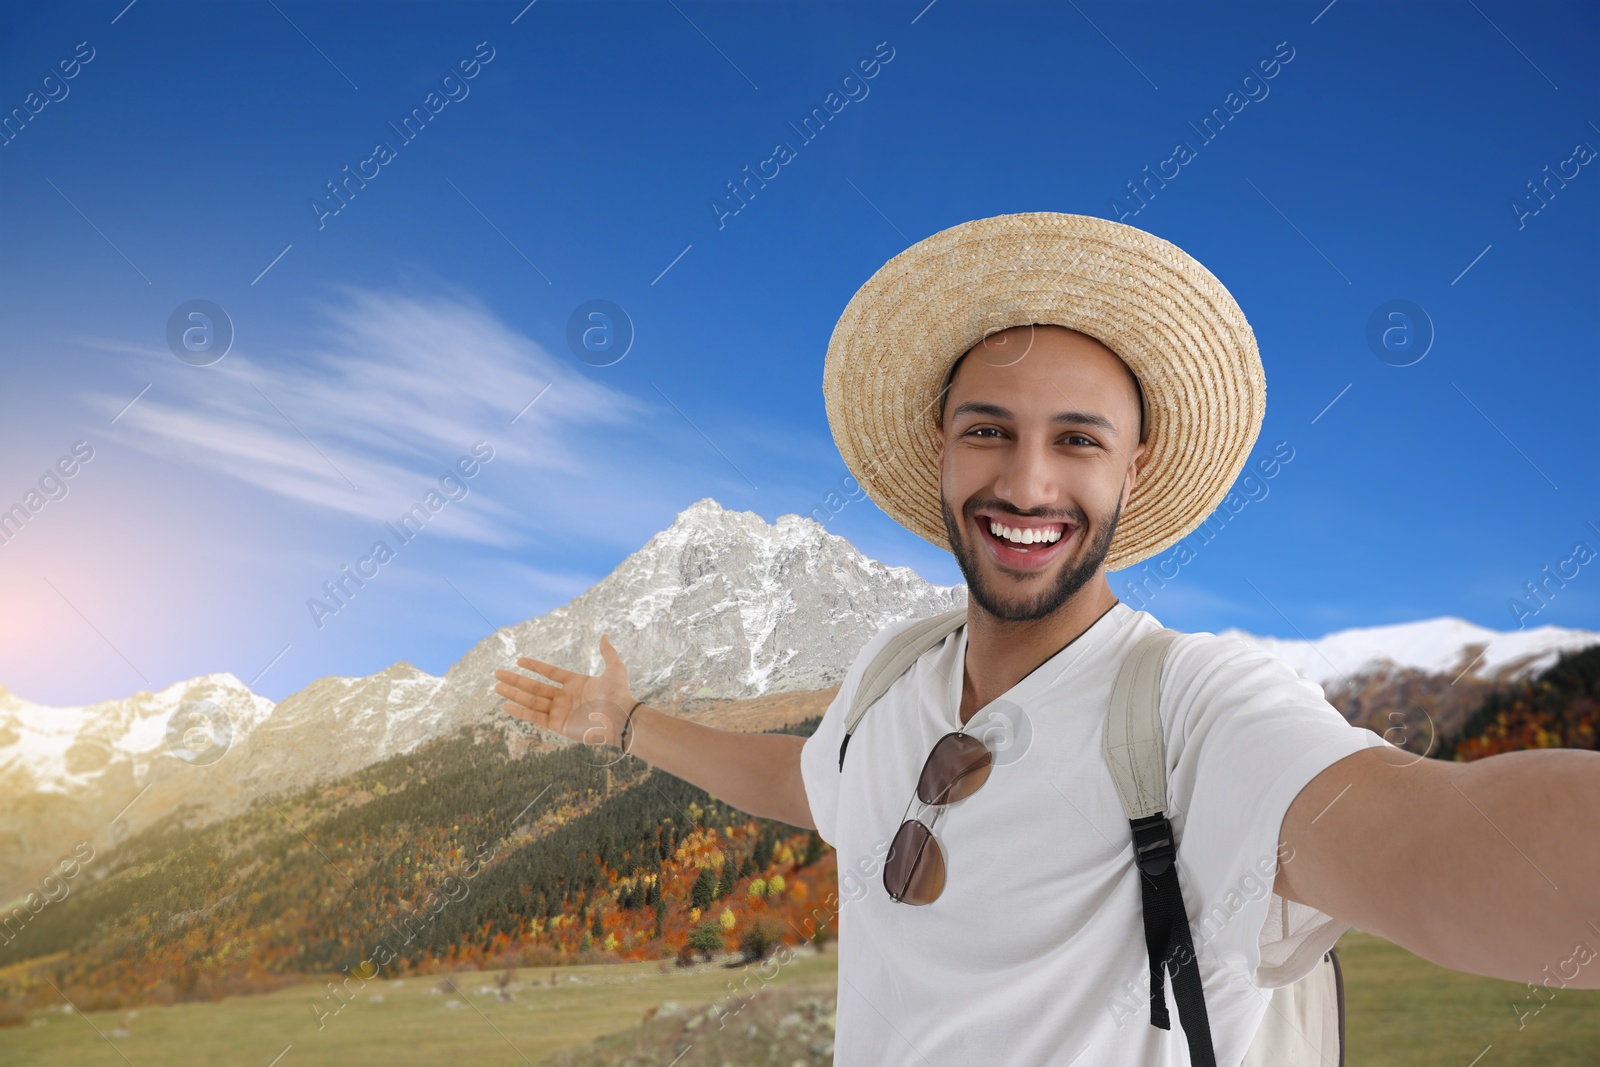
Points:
(950, 376)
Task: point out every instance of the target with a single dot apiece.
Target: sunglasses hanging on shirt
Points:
(914, 870)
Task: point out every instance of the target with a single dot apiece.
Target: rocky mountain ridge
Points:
(720, 607)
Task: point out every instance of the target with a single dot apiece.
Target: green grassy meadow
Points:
(1402, 1011)
(410, 1025)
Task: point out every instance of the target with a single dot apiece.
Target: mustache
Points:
(1075, 516)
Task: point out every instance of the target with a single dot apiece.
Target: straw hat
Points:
(1178, 329)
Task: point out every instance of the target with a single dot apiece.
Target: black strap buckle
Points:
(1153, 850)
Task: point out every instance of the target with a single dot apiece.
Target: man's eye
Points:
(982, 429)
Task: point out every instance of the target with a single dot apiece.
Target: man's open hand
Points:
(584, 707)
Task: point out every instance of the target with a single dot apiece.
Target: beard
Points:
(1071, 577)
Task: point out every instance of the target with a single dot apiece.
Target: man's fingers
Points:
(525, 697)
(524, 684)
(549, 670)
(525, 713)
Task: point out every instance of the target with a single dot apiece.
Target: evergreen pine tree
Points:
(661, 915)
(813, 851)
(763, 856)
(597, 930)
(704, 886)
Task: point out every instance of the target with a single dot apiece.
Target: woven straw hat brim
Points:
(1168, 318)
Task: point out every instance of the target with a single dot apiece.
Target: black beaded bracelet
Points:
(623, 739)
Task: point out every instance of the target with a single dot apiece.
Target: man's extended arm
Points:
(757, 773)
(1490, 867)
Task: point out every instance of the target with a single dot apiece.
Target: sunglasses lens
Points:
(958, 765)
(914, 869)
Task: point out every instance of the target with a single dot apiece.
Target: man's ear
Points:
(1136, 465)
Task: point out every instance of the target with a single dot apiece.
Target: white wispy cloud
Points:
(365, 418)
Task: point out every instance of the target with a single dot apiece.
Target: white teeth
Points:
(1024, 536)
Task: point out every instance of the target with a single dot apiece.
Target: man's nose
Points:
(1029, 479)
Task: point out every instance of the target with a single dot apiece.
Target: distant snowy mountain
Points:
(58, 750)
(67, 774)
(720, 605)
(1445, 646)
(723, 604)
(1416, 683)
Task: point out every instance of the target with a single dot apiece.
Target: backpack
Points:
(1304, 1023)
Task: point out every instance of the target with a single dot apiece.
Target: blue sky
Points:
(374, 347)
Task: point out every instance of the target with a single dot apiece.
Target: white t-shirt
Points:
(1034, 953)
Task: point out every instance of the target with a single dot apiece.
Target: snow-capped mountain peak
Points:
(1445, 646)
(720, 604)
(59, 749)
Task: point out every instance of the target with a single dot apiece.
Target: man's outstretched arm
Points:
(1490, 867)
(757, 773)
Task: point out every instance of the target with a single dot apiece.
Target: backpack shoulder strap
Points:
(1136, 752)
(1136, 749)
(894, 659)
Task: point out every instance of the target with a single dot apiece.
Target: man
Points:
(1048, 397)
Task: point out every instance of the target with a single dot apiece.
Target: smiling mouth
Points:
(1027, 545)
(1025, 537)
